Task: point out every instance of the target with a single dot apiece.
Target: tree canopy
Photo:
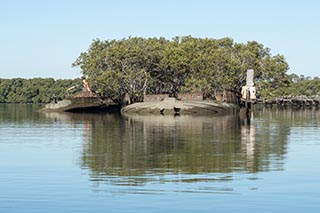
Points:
(139, 66)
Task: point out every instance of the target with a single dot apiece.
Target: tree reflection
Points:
(140, 145)
(140, 149)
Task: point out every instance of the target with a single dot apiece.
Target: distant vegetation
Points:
(138, 66)
(298, 86)
(36, 90)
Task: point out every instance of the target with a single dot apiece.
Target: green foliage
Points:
(155, 65)
(300, 86)
(36, 90)
(138, 66)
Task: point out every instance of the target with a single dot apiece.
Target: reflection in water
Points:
(136, 150)
(248, 139)
(153, 149)
(17, 113)
(142, 150)
(73, 162)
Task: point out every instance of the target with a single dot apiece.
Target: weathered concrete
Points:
(173, 106)
(78, 103)
(59, 105)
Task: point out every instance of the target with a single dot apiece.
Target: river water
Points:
(73, 162)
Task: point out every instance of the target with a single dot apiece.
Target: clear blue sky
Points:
(42, 38)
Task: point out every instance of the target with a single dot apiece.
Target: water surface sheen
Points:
(73, 162)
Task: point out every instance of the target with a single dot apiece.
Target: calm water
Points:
(51, 162)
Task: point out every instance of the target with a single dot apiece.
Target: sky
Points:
(43, 38)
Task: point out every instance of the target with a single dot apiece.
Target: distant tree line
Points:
(138, 66)
(298, 86)
(36, 90)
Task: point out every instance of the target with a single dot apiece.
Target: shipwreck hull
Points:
(171, 106)
(81, 104)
